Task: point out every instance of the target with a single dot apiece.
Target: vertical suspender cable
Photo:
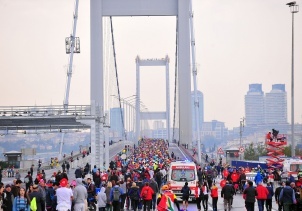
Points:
(117, 82)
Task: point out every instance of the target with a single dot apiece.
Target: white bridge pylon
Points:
(152, 115)
(178, 8)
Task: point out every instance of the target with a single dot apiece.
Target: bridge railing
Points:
(44, 111)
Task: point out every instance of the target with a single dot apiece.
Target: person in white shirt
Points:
(205, 198)
(64, 196)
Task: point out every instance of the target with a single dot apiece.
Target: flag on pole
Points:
(165, 204)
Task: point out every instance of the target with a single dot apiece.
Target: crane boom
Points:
(71, 47)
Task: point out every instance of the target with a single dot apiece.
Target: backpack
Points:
(209, 177)
(116, 194)
(26, 179)
(145, 193)
(33, 204)
(49, 195)
(134, 194)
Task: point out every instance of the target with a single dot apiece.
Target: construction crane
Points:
(72, 46)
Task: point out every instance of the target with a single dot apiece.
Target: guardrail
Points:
(44, 111)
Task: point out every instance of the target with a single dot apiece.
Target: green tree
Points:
(287, 151)
(261, 150)
(250, 153)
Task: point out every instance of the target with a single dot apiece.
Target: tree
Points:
(261, 150)
(288, 151)
(250, 153)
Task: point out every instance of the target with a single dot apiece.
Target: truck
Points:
(248, 163)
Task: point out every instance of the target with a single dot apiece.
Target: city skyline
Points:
(266, 108)
(237, 44)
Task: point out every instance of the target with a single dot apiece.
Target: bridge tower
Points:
(152, 115)
(179, 8)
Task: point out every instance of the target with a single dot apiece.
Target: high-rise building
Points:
(116, 124)
(276, 105)
(200, 109)
(254, 105)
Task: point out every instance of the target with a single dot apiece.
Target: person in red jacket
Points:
(214, 195)
(262, 196)
(146, 195)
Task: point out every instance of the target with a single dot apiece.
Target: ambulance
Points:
(179, 173)
(291, 167)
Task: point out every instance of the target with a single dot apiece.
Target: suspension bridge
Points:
(107, 107)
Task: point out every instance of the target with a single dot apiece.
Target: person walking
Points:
(21, 202)
(268, 202)
(186, 192)
(79, 195)
(277, 195)
(205, 193)
(249, 195)
(146, 195)
(107, 192)
(39, 198)
(214, 195)
(101, 198)
(67, 167)
(262, 196)
(198, 195)
(164, 197)
(7, 198)
(134, 195)
(28, 180)
(64, 196)
(227, 193)
(287, 196)
(153, 184)
(115, 196)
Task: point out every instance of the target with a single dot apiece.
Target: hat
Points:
(63, 182)
(165, 187)
(35, 186)
(41, 180)
(8, 186)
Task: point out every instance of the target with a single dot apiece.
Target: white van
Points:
(181, 172)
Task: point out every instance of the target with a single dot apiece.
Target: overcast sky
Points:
(238, 42)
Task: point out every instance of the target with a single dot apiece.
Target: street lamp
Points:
(241, 131)
(294, 8)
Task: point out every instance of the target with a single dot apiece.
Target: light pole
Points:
(241, 130)
(294, 8)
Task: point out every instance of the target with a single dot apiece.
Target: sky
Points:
(238, 42)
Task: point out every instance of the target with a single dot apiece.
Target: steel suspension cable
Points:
(117, 81)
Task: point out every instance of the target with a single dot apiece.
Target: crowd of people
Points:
(128, 183)
(139, 182)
